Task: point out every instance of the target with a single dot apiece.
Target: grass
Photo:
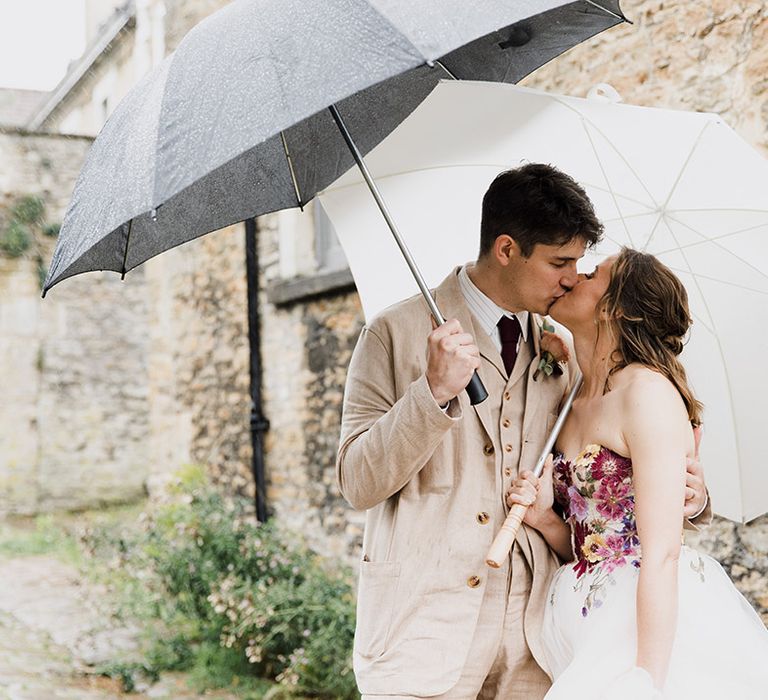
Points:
(36, 536)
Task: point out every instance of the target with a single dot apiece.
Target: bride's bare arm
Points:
(659, 437)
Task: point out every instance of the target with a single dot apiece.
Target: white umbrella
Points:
(680, 185)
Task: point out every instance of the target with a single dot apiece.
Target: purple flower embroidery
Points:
(596, 494)
(578, 507)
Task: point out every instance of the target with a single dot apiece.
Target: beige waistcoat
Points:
(433, 483)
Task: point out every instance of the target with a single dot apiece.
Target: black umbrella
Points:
(246, 117)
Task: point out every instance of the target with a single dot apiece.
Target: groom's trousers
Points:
(500, 664)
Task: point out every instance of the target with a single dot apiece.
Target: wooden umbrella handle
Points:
(506, 536)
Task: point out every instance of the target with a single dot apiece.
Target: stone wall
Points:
(199, 347)
(705, 56)
(306, 347)
(199, 354)
(73, 420)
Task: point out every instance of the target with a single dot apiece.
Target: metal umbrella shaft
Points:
(475, 389)
(505, 538)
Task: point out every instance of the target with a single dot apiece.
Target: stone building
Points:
(191, 324)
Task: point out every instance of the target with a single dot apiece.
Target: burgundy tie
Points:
(509, 331)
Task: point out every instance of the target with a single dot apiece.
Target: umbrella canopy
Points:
(680, 185)
(234, 123)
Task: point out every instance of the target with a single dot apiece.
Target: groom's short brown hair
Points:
(537, 203)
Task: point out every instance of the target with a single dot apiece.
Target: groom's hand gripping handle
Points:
(452, 362)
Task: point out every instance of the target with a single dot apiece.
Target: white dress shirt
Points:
(487, 312)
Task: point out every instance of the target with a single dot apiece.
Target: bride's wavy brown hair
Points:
(649, 316)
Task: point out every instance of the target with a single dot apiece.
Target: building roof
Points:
(18, 106)
(124, 17)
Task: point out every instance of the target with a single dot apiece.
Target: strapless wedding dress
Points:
(590, 627)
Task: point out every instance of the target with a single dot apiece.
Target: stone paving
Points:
(52, 635)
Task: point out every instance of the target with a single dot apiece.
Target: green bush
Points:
(51, 230)
(239, 603)
(15, 240)
(29, 209)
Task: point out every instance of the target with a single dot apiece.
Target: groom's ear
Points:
(506, 249)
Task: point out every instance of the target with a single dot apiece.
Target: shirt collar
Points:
(485, 309)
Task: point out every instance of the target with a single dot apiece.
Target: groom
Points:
(433, 620)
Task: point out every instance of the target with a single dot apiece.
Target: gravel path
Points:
(52, 635)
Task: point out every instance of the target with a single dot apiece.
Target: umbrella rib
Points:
(607, 11)
(628, 216)
(714, 242)
(619, 154)
(605, 175)
(719, 350)
(734, 285)
(451, 74)
(709, 239)
(679, 177)
(125, 252)
(697, 317)
(720, 209)
(292, 171)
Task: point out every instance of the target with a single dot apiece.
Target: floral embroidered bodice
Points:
(596, 494)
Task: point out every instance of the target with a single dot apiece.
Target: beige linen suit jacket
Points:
(433, 483)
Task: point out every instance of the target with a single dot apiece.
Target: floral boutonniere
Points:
(553, 352)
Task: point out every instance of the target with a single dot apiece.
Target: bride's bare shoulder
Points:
(644, 388)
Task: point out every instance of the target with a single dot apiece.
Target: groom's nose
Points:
(569, 280)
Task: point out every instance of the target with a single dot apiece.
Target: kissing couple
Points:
(598, 598)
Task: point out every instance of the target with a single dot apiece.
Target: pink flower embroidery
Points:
(595, 491)
(611, 497)
(578, 507)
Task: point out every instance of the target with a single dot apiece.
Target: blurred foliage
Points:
(51, 230)
(29, 209)
(24, 232)
(15, 239)
(236, 604)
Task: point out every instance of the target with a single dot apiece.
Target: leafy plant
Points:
(29, 209)
(16, 239)
(234, 602)
(51, 230)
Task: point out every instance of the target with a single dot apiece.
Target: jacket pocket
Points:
(375, 605)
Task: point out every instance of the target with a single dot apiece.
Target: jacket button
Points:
(473, 581)
(507, 396)
(508, 448)
(507, 471)
(483, 518)
(506, 422)
(488, 450)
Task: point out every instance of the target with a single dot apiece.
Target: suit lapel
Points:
(451, 303)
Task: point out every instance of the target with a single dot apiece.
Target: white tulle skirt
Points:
(590, 633)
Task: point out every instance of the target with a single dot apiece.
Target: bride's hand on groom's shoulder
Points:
(536, 493)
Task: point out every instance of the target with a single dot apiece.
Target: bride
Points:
(634, 614)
